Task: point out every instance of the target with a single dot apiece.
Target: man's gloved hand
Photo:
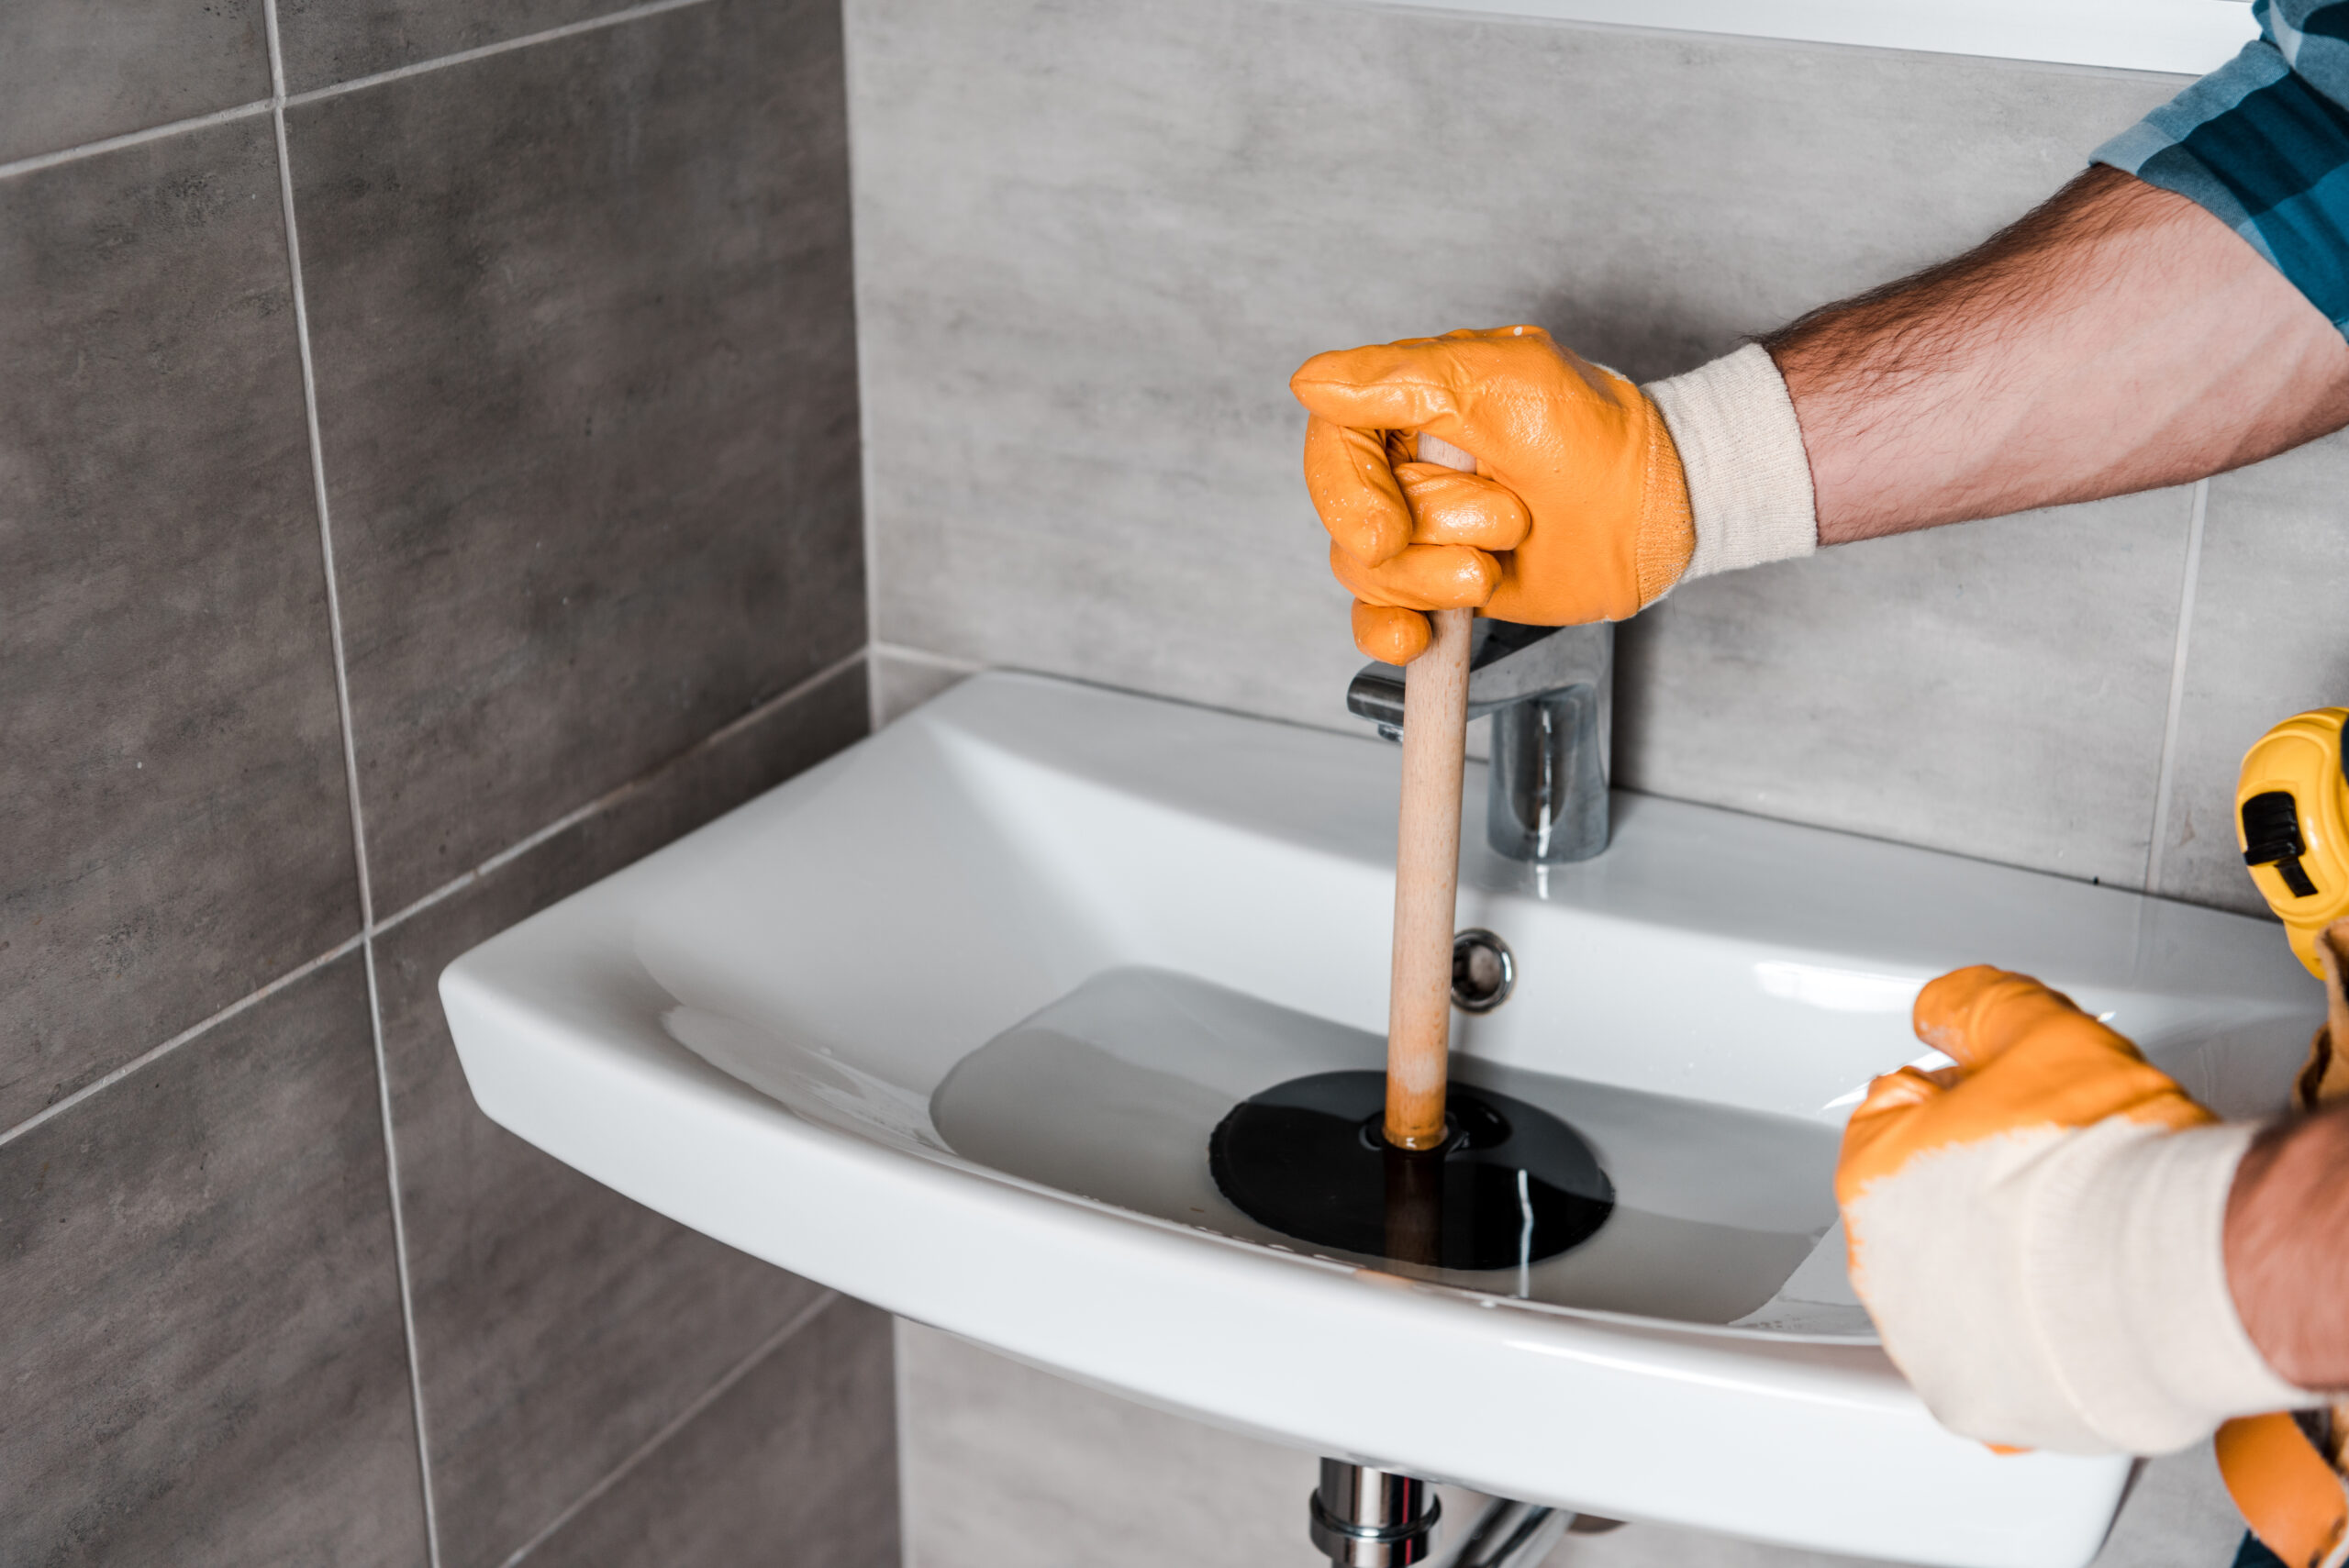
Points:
(1591, 497)
(2038, 1231)
(1576, 512)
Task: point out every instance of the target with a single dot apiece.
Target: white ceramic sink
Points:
(749, 1031)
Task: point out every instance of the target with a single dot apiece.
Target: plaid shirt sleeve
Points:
(2263, 143)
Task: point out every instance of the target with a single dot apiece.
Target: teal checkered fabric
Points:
(2263, 143)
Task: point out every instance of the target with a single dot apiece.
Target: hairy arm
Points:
(2287, 1248)
(2117, 339)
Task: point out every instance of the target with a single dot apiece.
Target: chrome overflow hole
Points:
(1484, 972)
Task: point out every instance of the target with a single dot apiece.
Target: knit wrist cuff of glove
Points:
(2126, 1277)
(1741, 448)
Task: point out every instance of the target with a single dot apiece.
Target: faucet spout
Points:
(1550, 691)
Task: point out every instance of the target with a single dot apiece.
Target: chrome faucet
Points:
(1551, 692)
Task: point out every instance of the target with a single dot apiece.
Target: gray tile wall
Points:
(174, 831)
(2261, 644)
(1009, 1467)
(1092, 243)
(76, 74)
(352, 607)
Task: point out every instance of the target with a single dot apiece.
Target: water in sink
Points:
(1723, 1216)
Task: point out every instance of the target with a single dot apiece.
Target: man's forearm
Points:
(2117, 338)
(2288, 1249)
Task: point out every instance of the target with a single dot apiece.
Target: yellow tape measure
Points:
(2292, 824)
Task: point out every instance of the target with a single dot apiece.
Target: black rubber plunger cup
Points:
(1510, 1186)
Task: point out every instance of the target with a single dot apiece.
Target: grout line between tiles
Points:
(676, 1424)
(132, 139)
(399, 1254)
(318, 474)
(279, 100)
(402, 1273)
(614, 796)
(466, 57)
(156, 1053)
(2167, 781)
(364, 937)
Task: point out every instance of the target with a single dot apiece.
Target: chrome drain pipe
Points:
(1512, 1535)
(1365, 1517)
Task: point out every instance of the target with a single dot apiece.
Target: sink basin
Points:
(945, 1023)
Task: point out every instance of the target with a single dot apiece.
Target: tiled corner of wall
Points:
(570, 316)
(906, 678)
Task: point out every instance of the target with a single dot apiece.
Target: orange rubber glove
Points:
(2289, 1488)
(2038, 1231)
(1578, 510)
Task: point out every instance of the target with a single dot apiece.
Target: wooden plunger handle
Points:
(1427, 868)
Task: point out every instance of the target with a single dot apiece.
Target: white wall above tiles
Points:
(2190, 36)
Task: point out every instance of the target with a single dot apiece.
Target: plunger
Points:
(1402, 1165)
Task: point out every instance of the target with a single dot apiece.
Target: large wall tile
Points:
(74, 73)
(797, 1462)
(203, 1355)
(174, 826)
(1998, 690)
(338, 40)
(1004, 1466)
(585, 353)
(558, 1325)
(1094, 240)
(2264, 644)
